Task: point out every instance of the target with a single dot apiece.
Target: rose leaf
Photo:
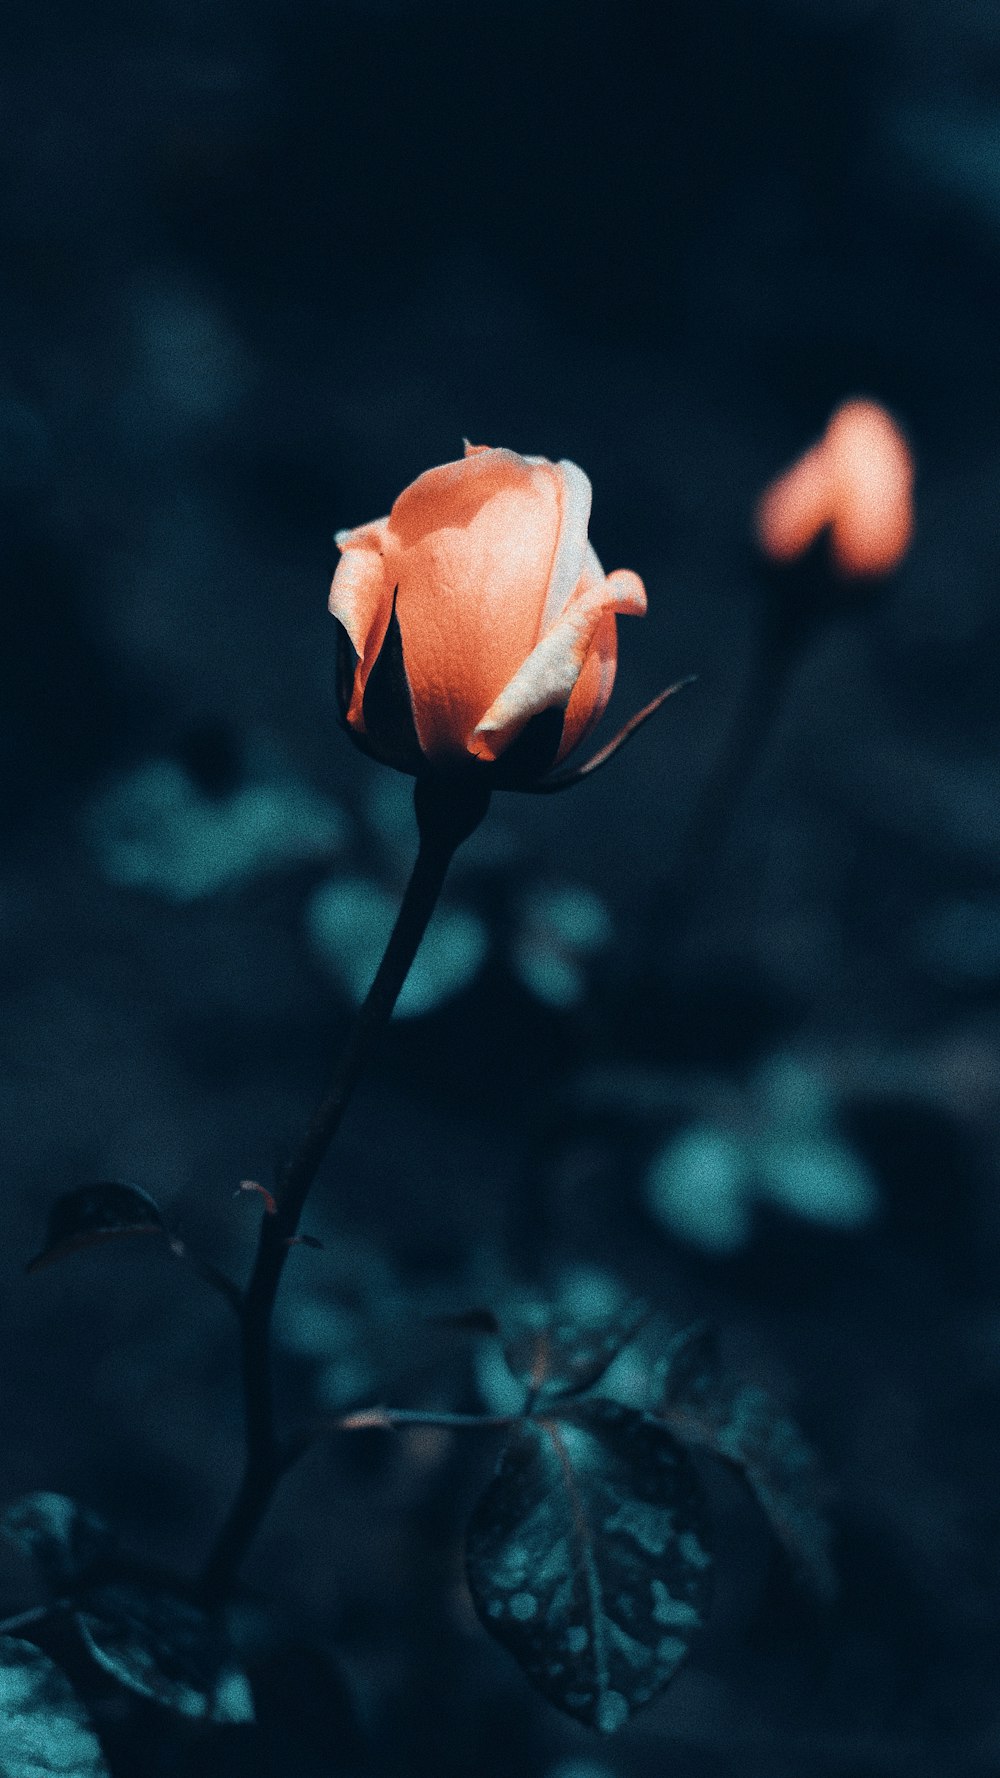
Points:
(161, 1645)
(742, 1425)
(65, 1540)
(93, 1214)
(587, 1557)
(554, 1355)
(44, 1729)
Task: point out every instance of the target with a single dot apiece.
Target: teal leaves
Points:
(776, 1143)
(44, 1728)
(108, 1211)
(161, 1645)
(352, 1323)
(743, 1425)
(700, 1186)
(553, 1356)
(154, 1639)
(64, 1539)
(156, 829)
(549, 934)
(185, 832)
(349, 920)
(587, 1557)
(588, 1554)
(561, 928)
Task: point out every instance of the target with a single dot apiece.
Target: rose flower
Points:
(856, 482)
(477, 624)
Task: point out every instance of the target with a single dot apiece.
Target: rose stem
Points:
(447, 813)
(798, 599)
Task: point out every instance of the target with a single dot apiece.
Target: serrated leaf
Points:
(747, 1429)
(93, 1214)
(553, 1355)
(162, 1646)
(44, 1729)
(65, 1539)
(587, 1557)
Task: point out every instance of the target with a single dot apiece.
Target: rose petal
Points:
(361, 597)
(553, 668)
(452, 494)
(589, 698)
(793, 510)
(570, 557)
(872, 475)
(471, 546)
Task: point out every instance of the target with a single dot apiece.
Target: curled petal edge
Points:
(552, 668)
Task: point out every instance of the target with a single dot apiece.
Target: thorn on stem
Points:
(251, 1185)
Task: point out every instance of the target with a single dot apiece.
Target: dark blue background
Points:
(262, 264)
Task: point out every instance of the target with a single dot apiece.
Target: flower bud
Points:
(857, 482)
(477, 624)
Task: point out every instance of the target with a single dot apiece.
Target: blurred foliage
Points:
(779, 1144)
(349, 924)
(63, 1538)
(560, 928)
(346, 1318)
(183, 834)
(161, 1646)
(155, 829)
(44, 1726)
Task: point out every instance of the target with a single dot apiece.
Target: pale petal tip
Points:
(628, 592)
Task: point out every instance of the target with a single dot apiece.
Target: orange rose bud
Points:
(856, 482)
(477, 625)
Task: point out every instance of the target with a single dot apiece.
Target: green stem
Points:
(446, 814)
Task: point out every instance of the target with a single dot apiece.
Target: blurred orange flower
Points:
(856, 481)
(477, 624)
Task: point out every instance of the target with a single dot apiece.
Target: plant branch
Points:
(388, 1419)
(447, 812)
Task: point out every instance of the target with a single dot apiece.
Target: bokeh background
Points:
(262, 264)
